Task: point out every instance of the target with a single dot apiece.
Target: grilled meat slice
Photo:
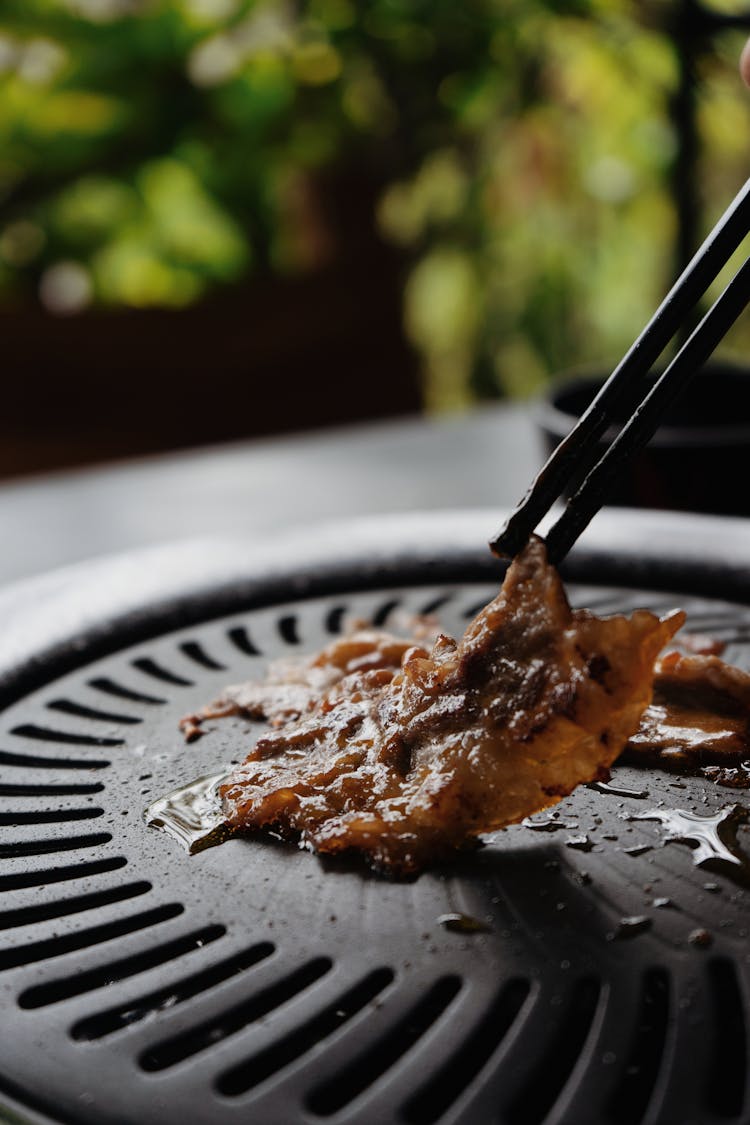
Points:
(407, 764)
(295, 686)
(699, 715)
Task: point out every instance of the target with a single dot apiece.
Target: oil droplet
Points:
(638, 849)
(617, 790)
(463, 924)
(713, 838)
(191, 815)
(631, 927)
(548, 824)
(701, 938)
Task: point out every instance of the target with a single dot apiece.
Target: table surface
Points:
(484, 458)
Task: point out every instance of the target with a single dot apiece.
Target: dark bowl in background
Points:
(698, 460)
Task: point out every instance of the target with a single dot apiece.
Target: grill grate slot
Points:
(334, 620)
(732, 636)
(435, 604)
(49, 875)
(65, 737)
(195, 651)
(70, 707)
(50, 790)
(50, 816)
(85, 939)
(240, 638)
(384, 611)
(120, 691)
(251, 1072)
(64, 988)
(288, 631)
(64, 908)
(474, 609)
(555, 1065)
(431, 1101)
(115, 1019)
(59, 844)
(172, 1051)
(358, 1075)
(725, 1094)
(631, 1097)
(149, 667)
(33, 762)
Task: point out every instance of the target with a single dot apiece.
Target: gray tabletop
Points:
(484, 458)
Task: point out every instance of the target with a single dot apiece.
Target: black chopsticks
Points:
(577, 453)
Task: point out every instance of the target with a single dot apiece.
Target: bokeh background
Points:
(227, 218)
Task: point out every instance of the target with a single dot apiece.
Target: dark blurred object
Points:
(159, 152)
(273, 355)
(697, 461)
(692, 26)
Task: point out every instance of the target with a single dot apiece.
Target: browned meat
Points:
(405, 764)
(293, 685)
(700, 713)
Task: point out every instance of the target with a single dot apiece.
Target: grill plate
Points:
(255, 982)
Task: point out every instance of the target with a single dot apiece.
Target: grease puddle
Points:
(618, 790)
(461, 923)
(191, 815)
(712, 838)
(547, 824)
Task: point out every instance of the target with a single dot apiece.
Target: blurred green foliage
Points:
(153, 149)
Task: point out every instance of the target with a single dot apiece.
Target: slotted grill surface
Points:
(253, 982)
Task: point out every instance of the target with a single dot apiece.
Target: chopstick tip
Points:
(507, 542)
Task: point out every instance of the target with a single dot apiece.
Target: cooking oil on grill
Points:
(713, 838)
(192, 815)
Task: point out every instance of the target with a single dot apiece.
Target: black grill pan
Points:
(255, 983)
